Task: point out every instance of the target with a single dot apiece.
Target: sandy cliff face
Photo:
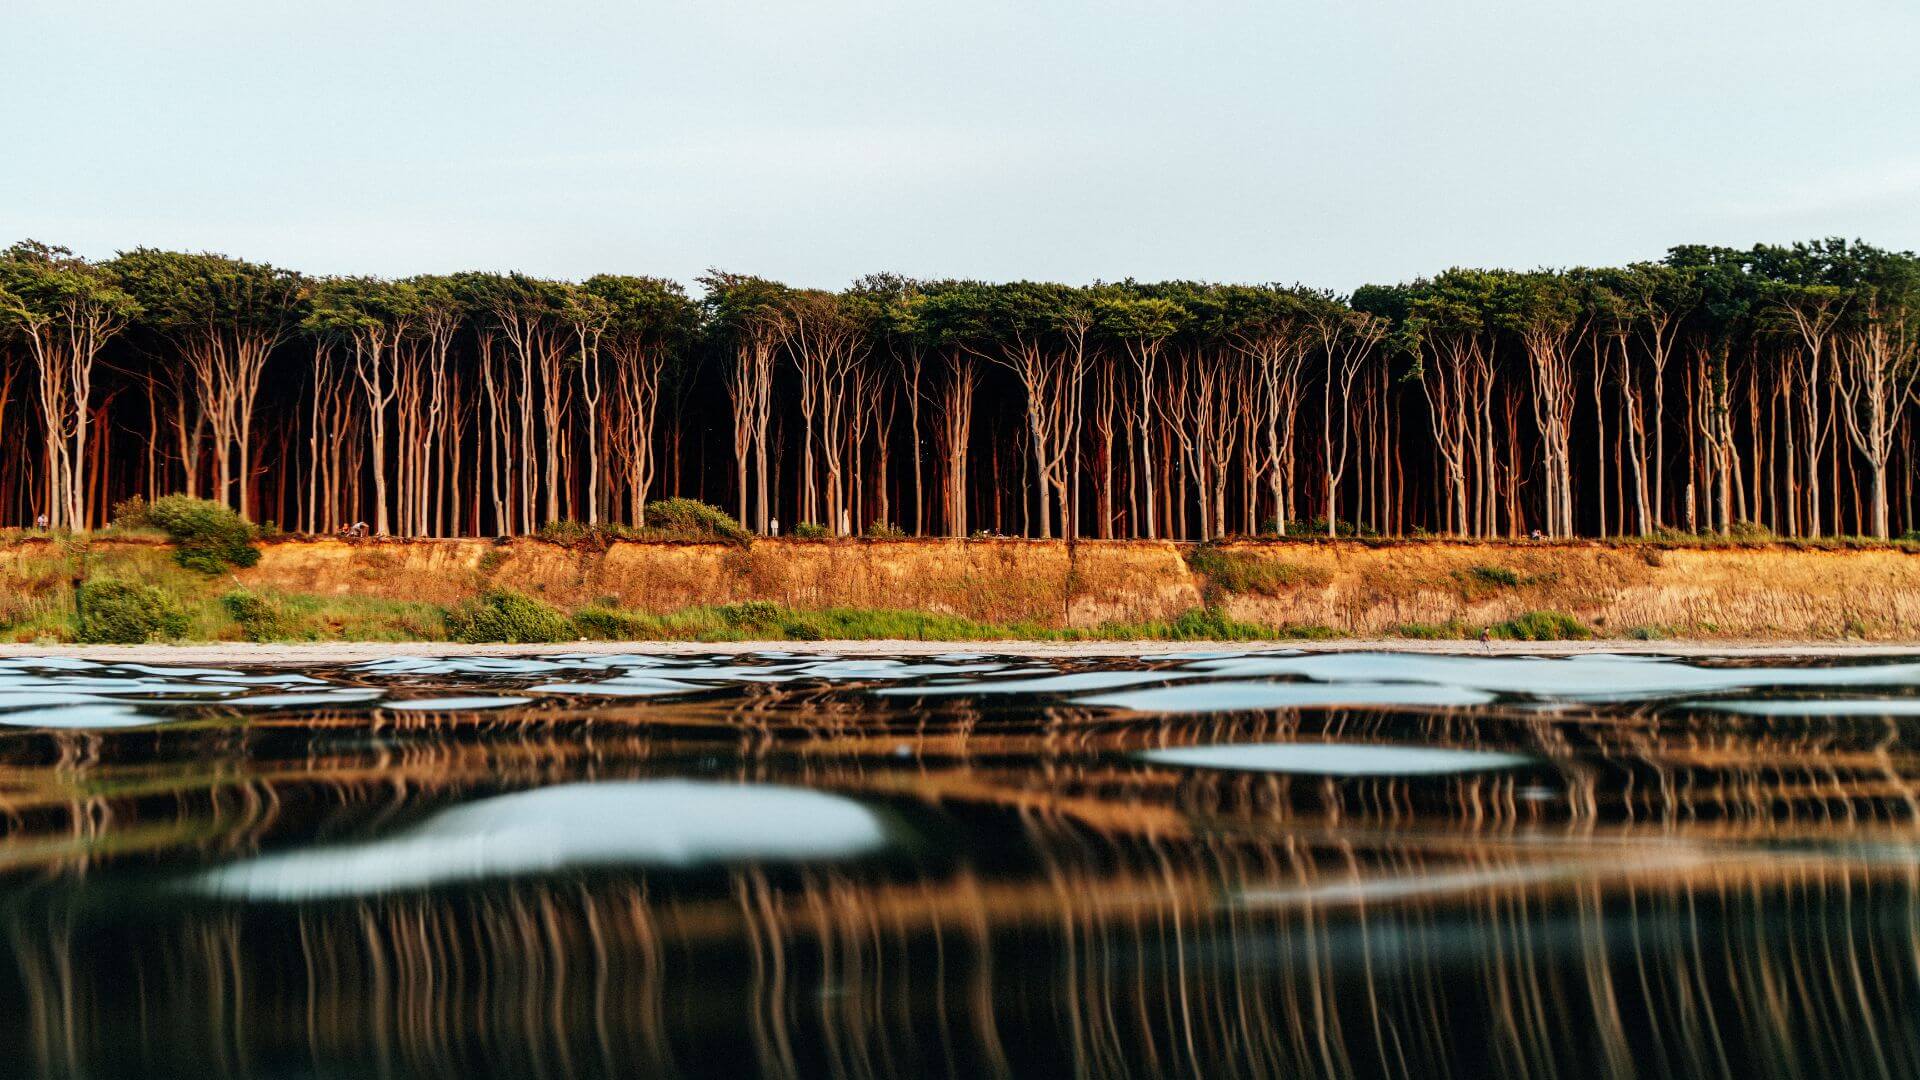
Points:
(990, 581)
(1757, 592)
(1348, 588)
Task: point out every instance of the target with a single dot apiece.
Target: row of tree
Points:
(1774, 386)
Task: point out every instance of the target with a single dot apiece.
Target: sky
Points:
(1333, 143)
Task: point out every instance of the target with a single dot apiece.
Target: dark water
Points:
(961, 866)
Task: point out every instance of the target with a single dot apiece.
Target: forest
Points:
(1712, 390)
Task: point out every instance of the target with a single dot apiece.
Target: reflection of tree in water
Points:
(1693, 894)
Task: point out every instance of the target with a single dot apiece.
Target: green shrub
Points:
(882, 530)
(260, 619)
(761, 615)
(608, 623)
(810, 530)
(1307, 530)
(507, 616)
(122, 613)
(132, 513)
(1493, 575)
(1212, 624)
(576, 534)
(1446, 631)
(1751, 532)
(566, 533)
(207, 536)
(691, 519)
(1238, 572)
(1541, 626)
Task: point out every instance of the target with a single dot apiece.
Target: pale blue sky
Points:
(1333, 143)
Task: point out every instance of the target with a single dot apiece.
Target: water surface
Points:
(965, 865)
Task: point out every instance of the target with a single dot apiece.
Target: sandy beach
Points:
(242, 653)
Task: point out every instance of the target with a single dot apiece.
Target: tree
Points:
(224, 317)
(1348, 340)
(1878, 364)
(1542, 311)
(1039, 332)
(1141, 325)
(369, 317)
(748, 317)
(650, 321)
(65, 310)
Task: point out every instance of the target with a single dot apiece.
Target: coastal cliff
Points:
(332, 589)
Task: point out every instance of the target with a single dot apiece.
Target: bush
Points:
(207, 536)
(810, 530)
(1541, 626)
(1751, 532)
(1212, 624)
(122, 613)
(565, 533)
(691, 519)
(882, 530)
(1419, 631)
(604, 622)
(502, 615)
(752, 615)
(1494, 575)
(1317, 528)
(1237, 572)
(132, 513)
(260, 619)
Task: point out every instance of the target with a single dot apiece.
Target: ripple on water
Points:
(457, 704)
(1815, 707)
(80, 717)
(622, 687)
(664, 823)
(1588, 678)
(1234, 695)
(1337, 759)
(1045, 684)
(346, 695)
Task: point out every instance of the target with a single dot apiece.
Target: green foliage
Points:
(503, 615)
(691, 519)
(46, 291)
(132, 513)
(1748, 532)
(1319, 529)
(1541, 626)
(1211, 624)
(1492, 575)
(1241, 572)
(207, 536)
(566, 533)
(123, 613)
(259, 619)
(1452, 630)
(881, 530)
(749, 614)
(811, 530)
